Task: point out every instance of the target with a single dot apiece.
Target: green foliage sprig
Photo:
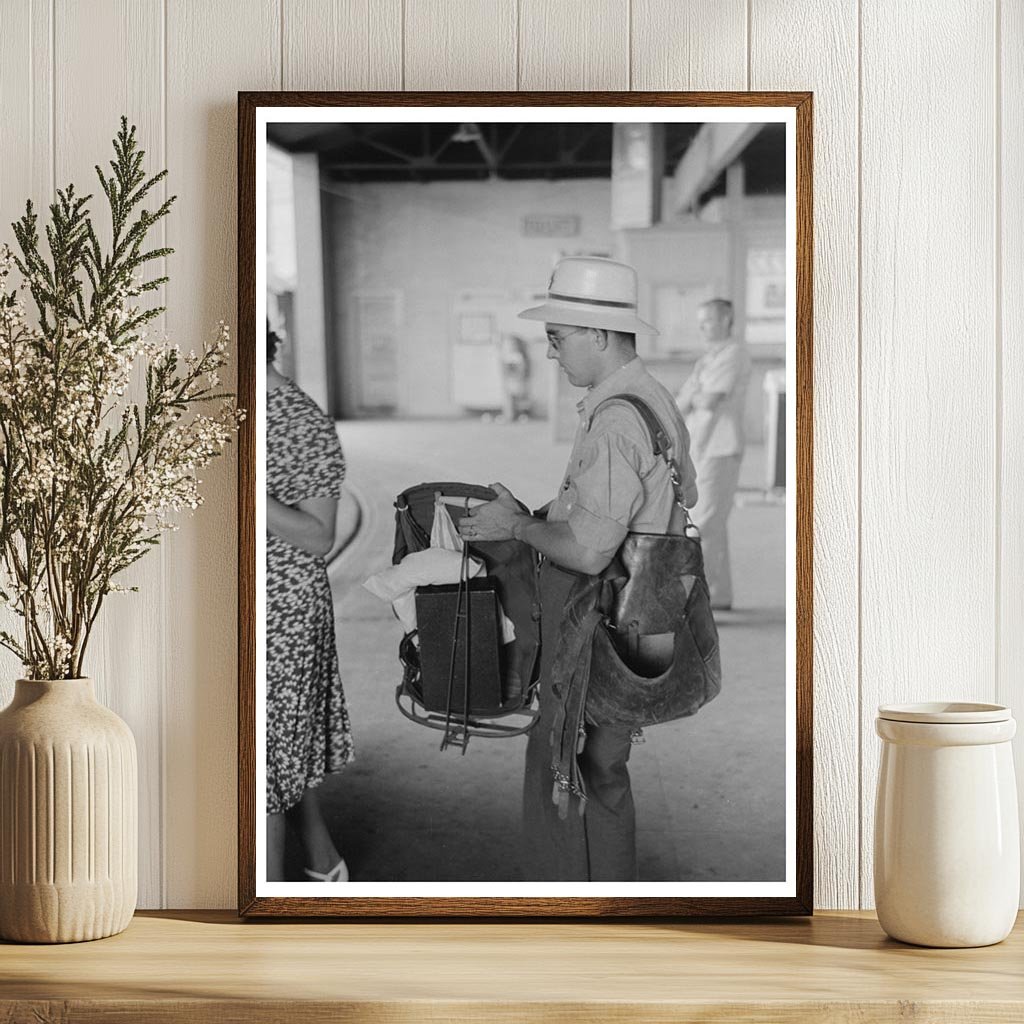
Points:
(89, 477)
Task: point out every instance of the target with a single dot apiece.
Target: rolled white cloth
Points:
(430, 567)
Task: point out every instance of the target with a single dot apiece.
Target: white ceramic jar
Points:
(947, 847)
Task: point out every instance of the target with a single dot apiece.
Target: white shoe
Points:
(339, 873)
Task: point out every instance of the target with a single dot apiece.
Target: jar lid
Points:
(945, 713)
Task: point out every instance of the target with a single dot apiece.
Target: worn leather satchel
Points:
(655, 652)
(655, 656)
(638, 644)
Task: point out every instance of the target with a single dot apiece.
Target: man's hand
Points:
(504, 519)
(506, 498)
(495, 520)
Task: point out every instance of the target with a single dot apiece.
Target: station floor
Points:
(710, 790)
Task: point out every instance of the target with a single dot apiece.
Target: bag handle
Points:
(463, 615)
(661, 445)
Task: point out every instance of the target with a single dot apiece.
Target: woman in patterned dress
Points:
(308, 733)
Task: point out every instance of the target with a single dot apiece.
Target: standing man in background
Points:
(712, 402)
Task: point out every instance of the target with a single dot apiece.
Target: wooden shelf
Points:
(208, 966)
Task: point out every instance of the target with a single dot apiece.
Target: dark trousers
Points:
(600, 846)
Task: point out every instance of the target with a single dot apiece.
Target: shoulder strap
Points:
(661, 443)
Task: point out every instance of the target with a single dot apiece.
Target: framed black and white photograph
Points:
(525, 504)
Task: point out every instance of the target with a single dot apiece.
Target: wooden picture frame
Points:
(795, 110)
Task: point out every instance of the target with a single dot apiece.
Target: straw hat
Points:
(586, 291)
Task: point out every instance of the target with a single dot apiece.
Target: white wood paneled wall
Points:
(919, 326)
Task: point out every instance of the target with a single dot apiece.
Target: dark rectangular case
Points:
(435, 617)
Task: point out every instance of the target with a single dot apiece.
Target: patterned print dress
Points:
(308, 733)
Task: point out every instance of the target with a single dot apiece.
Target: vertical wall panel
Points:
(128, 80)
(814, 46)
(468, 45)
(928, 527)
(122, 657)
(26, 172)
(213, 51)
(26, 102)
(691, 44)
(1010, 678)
(574, 44)
(342, 44)
(42, 79)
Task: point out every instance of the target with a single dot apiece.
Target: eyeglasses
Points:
(555, 340)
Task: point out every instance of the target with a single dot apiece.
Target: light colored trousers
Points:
(717, 480)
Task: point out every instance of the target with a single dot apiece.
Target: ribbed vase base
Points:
(63, 913)
(68, 815)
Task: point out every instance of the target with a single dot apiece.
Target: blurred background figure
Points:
(712, 400)
(515, 377)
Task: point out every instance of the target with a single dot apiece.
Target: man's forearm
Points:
(707, 402)
(557, 542)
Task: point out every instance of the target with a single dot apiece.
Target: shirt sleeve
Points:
(608, 483)
(723, 374)
(689, 388)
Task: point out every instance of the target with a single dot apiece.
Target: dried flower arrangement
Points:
(89, 477)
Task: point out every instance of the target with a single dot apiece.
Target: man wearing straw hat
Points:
(612, 485)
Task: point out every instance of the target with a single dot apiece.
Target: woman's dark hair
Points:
(273, 343)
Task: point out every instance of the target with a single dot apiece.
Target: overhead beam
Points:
(713, 148)
(429, 166)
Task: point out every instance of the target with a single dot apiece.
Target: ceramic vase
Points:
(947, 847)
(68, 815)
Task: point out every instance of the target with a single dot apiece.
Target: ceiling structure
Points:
(402, 152)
